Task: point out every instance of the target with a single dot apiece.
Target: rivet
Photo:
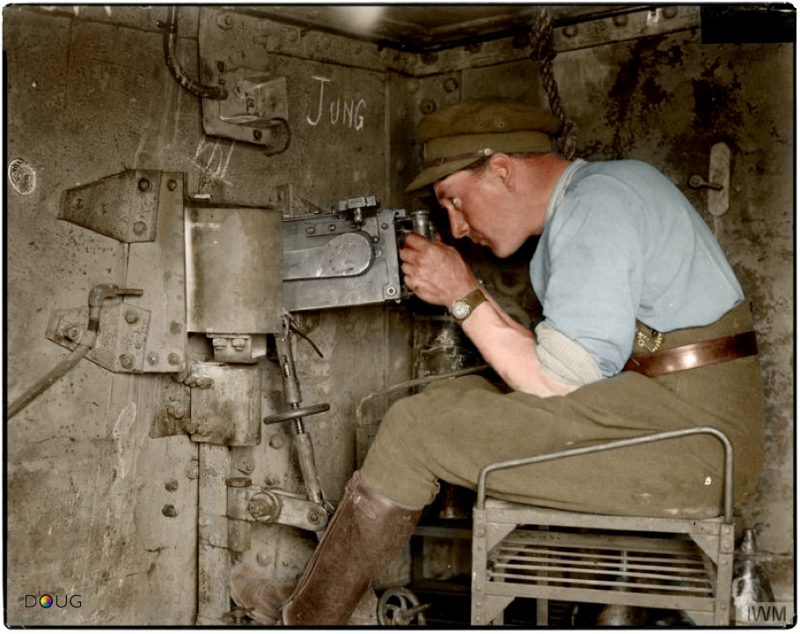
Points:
(450, 84)
(144, 184)
(192, 470)
(571, 30)
(127, 361)
(620, 20)
(131, 317)
(221, 66)
(176, 409)
(174, 358)
(152, 358)
(276, 441)
(257, 135)
(171, 485)
(139, 228)
(263, 558)
(427, 106)
(310, 230)
(78, 203)
(669, 12)
(73, 333)
(331, 228)
(169, 511)
(172, 184)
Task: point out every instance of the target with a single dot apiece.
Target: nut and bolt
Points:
(246, 465)
(131, 317)
(127, 361)
(314, 518)
(169, 511)
(73, 333)
(276, 441)
(192, 470)
(239, 344)
(176, 409)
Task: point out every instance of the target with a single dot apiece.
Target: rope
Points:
(541, 40)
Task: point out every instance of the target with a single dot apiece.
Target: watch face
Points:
(460, 309)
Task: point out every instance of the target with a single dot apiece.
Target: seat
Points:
(651, 562)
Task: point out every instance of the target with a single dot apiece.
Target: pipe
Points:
(171, 57)
(619, 444)
(97, 295)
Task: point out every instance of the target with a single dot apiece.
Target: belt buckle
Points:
(651, 342)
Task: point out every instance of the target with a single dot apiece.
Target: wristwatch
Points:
(462, 308)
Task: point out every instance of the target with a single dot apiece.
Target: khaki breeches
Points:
(455, 427)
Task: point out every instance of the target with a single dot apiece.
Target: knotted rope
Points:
(541, 40)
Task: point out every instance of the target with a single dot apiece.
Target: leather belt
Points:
(694, 355)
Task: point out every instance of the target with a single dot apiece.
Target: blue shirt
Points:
(622, 243)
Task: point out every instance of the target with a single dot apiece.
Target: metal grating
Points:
(601, 562)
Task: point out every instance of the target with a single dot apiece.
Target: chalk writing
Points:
(210, 159)
(341, 111)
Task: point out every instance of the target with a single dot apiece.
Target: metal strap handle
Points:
(619, 444)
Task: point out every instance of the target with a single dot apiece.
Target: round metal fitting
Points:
(174, 358)
(152, 358)
(257, 134)
(127, 361)
(192, 470)
(169, 511)
(265, 507)
(571, 30)
(171, 485)
(139, 228)
(427, 106)
(131, 317)
(73, 333)
(176, 410)
(620, 20)
(669, 12)
(172, 184)
(450, 84)
(144, 184)
(276, 441)
(239, 483)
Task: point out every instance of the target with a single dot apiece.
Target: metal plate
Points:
(234, 270)
(157, 268)
(121, 206)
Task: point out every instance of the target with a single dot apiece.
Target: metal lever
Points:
(696, 182)
(301, 440)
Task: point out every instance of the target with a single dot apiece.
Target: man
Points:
(624, 264)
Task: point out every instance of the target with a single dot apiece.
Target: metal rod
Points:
(619, 444)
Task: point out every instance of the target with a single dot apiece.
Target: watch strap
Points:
(473, 299)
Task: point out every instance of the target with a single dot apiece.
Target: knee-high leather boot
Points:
(366, 532)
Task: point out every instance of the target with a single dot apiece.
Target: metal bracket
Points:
(274, 506)
(122, 206)
(121, 338)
